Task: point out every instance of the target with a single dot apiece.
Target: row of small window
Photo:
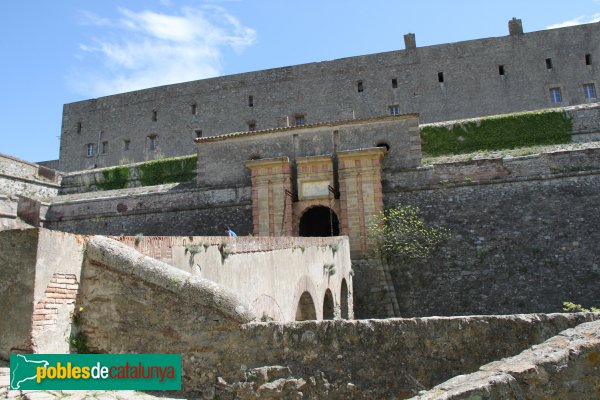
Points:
(589, 92)
(152, 143)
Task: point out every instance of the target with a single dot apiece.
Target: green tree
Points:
(400, 232)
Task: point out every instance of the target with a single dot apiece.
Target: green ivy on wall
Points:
(114, 178)
(168, 170)
(497, 133)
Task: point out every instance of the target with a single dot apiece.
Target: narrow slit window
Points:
(198, 133)
(588, 59)
(250, 101)
(501, 70)
(440, 77)
(359, 86)
(104, 147)
(194, 109)
(251, 126)
(394, 83)
(154, 115)
(548, 63)
(126, 144)
(79, 126)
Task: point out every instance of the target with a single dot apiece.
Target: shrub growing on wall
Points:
(114, 178)
(400, 232)
(167, 170)
(497, 133)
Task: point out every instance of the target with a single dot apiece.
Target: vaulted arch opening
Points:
(306, 308)
(344, 299)
(328, 305)
(319, 221)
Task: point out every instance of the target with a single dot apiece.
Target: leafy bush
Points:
(497, 133)
(572, 307)
(168, 170)
(114, 178)
(401, 232)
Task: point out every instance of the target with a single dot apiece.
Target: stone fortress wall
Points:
(442, 82)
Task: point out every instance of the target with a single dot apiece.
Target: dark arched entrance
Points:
(328, 312)
(344, 299)
(319, 221)
(306, 308)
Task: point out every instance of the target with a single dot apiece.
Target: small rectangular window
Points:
(152, 142)
(548, 63)
(104, 147)
(299, 120)
(555, 95)
(79, 126)
(89, 150)
(126, 144)
(198, 133)
(395, 109)
(194, 109)
(394, 83)
(588, 59)
(154, 115)
(251, 126)
(440, 77)
(501, 69)
(589, 91)
(250, 101)
(359, 86)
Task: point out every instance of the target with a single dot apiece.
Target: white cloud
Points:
(582, 19)
(148, 48)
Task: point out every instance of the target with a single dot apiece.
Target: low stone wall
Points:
(563, 367)
(18, 177)
(158, 210)
(496, 170)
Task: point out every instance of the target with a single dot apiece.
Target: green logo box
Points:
(95, 371)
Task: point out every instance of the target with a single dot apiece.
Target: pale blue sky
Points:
(56, 52)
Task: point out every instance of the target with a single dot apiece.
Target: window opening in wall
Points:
(359, 86)
(251, 126)
(152, 142)
(194, 109)
(250, 101)
(126, 144)
(555, 95)
(589, 91)
(394, 83)
(89, 150)
(548, 63)
(198, 133)
(440, 77)
(299, 120)
(79, 125)
(104, 147)
(154, 115)
(501, 69)
(384, 145)
(394, 109)
(588, 59)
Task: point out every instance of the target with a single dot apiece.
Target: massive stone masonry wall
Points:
(328, 91)
(524, 246)
(563, 367)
